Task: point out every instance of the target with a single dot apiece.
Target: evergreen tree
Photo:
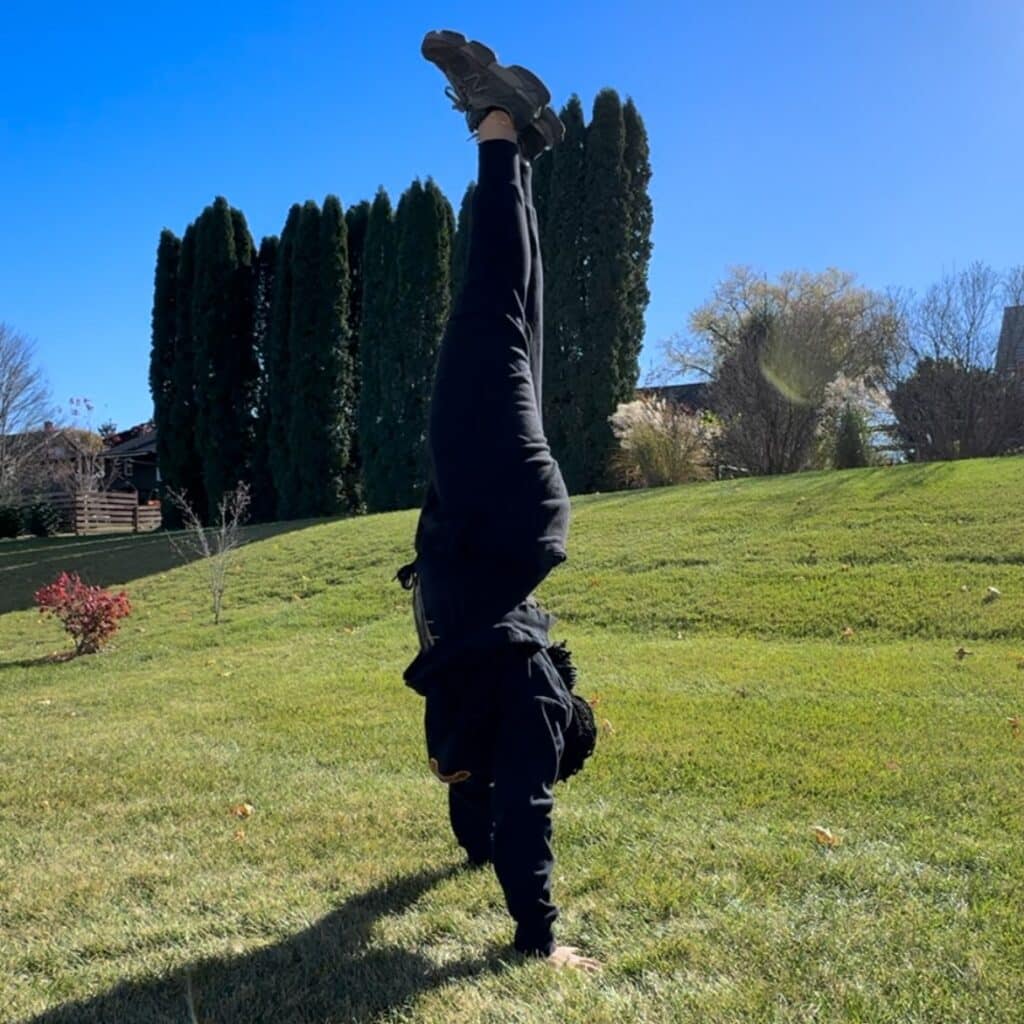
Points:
(275, 367)
(606, 241)
(264, 500)
(460, 243)
(357, 220)
(561, 214)
(424, 224)
(161, 359)
(852, 449)
(640, 223)
(377, 424)
(225, 360)
(180, 464)
(300, 496)
(334, 395)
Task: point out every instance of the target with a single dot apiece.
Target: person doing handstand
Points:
(500, 710)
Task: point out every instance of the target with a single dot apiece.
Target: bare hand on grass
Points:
(568, 956)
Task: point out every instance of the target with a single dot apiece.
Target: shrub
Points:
(660, 444)
(43, 520)
(12, 521)
(852, 444)
(90, 614)
(946, 410)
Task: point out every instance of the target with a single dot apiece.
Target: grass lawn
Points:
(708, 619)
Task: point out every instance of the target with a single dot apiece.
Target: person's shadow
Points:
(327, 974)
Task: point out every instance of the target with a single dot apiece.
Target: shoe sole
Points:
(440, 47)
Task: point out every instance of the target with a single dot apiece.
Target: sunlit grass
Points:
(708, 620)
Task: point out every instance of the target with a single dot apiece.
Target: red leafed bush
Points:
(89, 614)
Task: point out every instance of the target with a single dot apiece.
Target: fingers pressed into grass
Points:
(568, 957)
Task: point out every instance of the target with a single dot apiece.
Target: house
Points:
(131, 462)
(1010, 353)
(54, 460)
(692, 397)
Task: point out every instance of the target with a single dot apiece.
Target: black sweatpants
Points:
(493, 525)
(496, 504)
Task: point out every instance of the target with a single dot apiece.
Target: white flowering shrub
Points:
(850, 407)
(661, 443)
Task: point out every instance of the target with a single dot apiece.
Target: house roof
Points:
(1010, 353)
(144, 444)
(52, 438)
(696, 396)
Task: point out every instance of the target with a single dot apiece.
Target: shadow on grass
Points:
(328, 973)
(57, 658)
(27, 565)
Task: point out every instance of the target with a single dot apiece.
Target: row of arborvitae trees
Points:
(304, 366)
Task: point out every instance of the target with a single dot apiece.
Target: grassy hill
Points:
(710, 622)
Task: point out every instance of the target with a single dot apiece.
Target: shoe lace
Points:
(460, 96)
(458, 102)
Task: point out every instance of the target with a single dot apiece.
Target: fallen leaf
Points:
(993, 592)
(964, 588)
(606, 728)
(239, 835)
(961, 653)
(243, 810)
(848, 632)
(225, 674)
(1015, 725)
(893, 766)
(825, 836)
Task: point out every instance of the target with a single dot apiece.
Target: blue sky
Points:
(881, 137)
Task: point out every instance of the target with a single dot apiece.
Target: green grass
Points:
(707, 618)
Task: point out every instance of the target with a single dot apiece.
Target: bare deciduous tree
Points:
(948, 400)
(24, 408)
(1013, 286)
(774, 348)
(215, 545)
(958, 317)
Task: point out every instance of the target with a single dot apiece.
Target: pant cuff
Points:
(535, 944)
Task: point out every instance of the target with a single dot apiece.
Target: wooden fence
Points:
(113, 512)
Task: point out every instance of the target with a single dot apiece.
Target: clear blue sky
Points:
(883, 137)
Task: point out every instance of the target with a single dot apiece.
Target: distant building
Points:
(1010, 353)
(54, 460)
(694, 397)
(132, 464)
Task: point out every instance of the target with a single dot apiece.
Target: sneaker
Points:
(546, 132)
(478, 83)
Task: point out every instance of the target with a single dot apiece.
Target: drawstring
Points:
(407, 576)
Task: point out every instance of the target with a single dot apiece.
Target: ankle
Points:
(497, 124)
